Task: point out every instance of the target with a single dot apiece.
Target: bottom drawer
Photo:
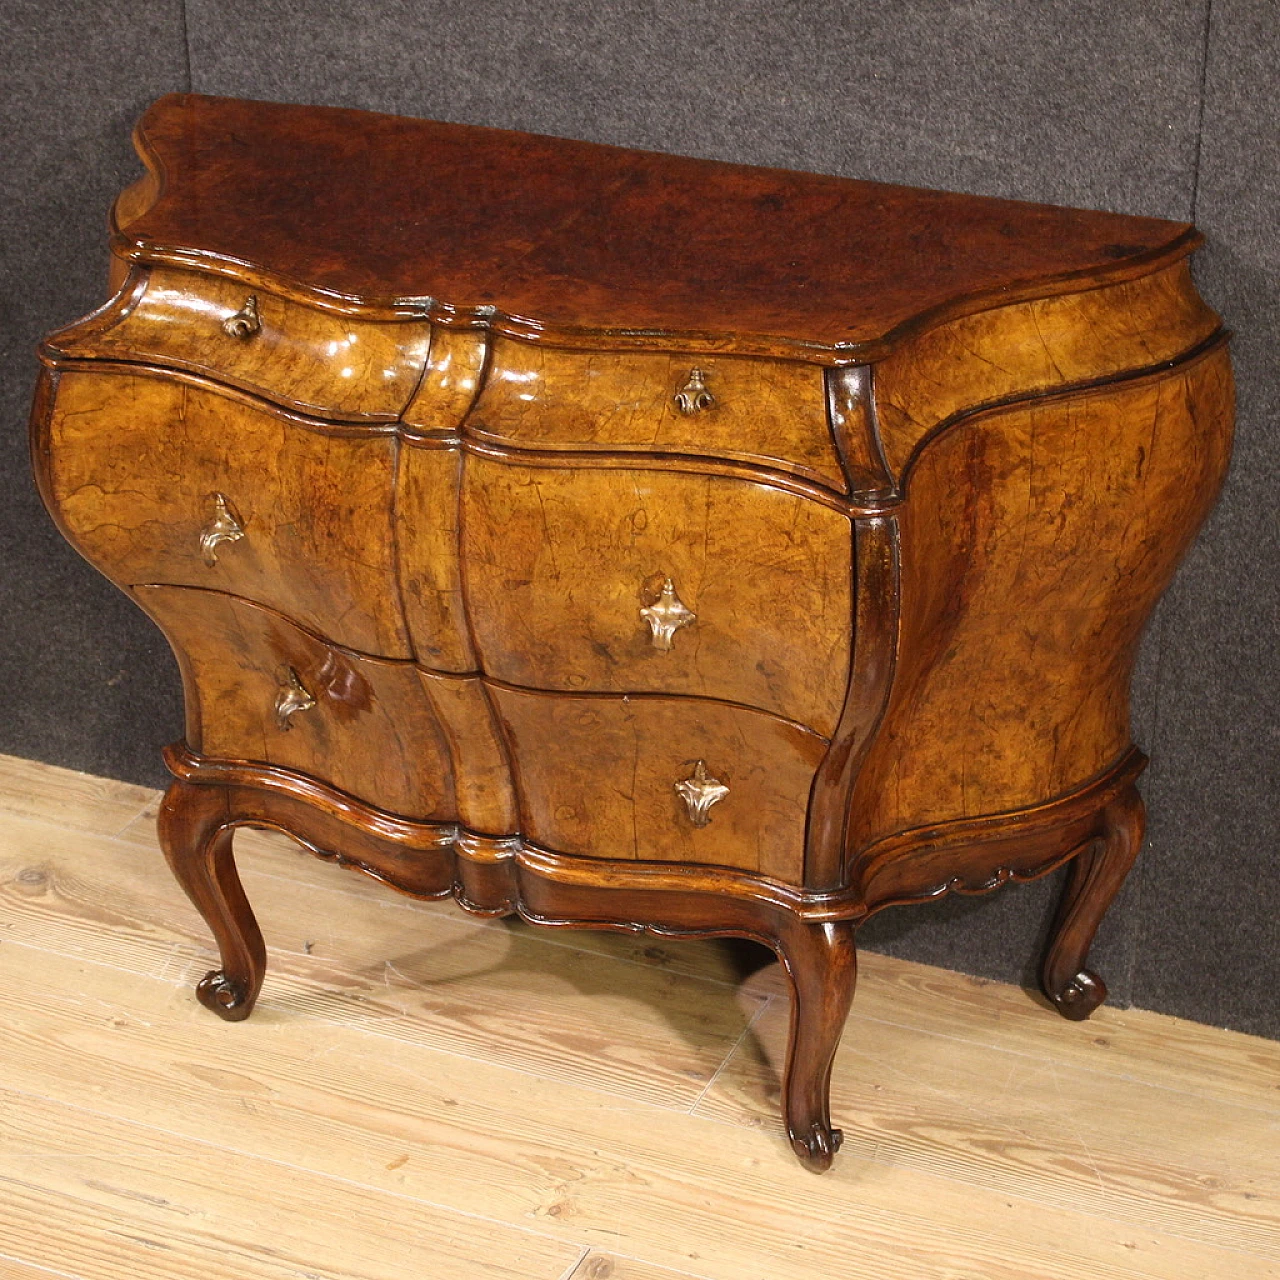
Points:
(261, 689)
(601, 775)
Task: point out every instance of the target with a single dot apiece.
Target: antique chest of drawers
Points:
(631, 541)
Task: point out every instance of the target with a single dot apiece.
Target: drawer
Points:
(629, 580)
(608, 778)
(156, 481)
(311, 360)
(768, 412)
(262, 690)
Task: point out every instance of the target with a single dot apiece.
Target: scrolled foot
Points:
(196, 824)
(1094, 879)
(224, 995)
(822, 962)
(1079, 996)
(815, 1147)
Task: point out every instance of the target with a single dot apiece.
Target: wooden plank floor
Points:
(421, 1094)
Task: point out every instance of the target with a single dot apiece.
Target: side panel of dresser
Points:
(1035, 541)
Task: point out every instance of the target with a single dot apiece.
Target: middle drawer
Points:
(637, 580)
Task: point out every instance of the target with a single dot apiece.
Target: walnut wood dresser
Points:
(631, 541)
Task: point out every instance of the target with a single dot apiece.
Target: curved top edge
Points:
(585, 245)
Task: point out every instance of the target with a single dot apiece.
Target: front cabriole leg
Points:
(195, 833)
(821, 960)
(1094, 879)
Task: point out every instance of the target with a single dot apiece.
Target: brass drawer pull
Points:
(224, 527)
(693, 397)
(666, 616)
(700, 792)
(292, 698)
(246, 322)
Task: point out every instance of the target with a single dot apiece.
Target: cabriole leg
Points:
(1094, 879)
(196, 838)
(822, 962)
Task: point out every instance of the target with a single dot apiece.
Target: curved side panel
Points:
(980, 854)
(1035, 542)
(1035, 347)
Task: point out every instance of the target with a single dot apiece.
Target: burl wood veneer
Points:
(631, 541)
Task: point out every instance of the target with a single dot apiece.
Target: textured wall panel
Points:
(1208, 941)
(1083, 102)
(87, 681)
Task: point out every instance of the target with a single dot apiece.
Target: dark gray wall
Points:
(1159, 109)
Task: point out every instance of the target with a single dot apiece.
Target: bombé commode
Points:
(632, 541)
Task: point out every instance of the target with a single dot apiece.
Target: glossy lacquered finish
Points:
(636, 542)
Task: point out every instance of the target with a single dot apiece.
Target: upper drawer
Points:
(158, 481)
(766, 412)
(567, 572)
(312, 360)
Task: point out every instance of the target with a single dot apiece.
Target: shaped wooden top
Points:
(589, 245)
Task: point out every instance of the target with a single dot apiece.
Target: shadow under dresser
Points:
(632, 541)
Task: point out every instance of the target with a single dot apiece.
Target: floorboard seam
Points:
(141, 813)
(576, 1263)
(755, 1017)
(39, 1266)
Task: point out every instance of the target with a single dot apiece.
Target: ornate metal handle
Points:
(292, 698)
(693, 397)
(700, 792)
(246, 322)
(224, 527)
(666, 616)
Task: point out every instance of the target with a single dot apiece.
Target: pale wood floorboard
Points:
(423, 1094)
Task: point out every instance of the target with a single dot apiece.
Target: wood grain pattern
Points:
(977, 855)
(368, 370)
(559, 564)
(429, 980)
(1026, 554)
(450, 381)
(1092, 1166)
(939, 1104)
(428, 494)
(609, 1266)
(133, 462)
(77, 801)
(486, 801)
(877, 605)
(371, 733)
(211, 1213)
(597, 775)
(604, 246)
(1035, 346)
(768, 412)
